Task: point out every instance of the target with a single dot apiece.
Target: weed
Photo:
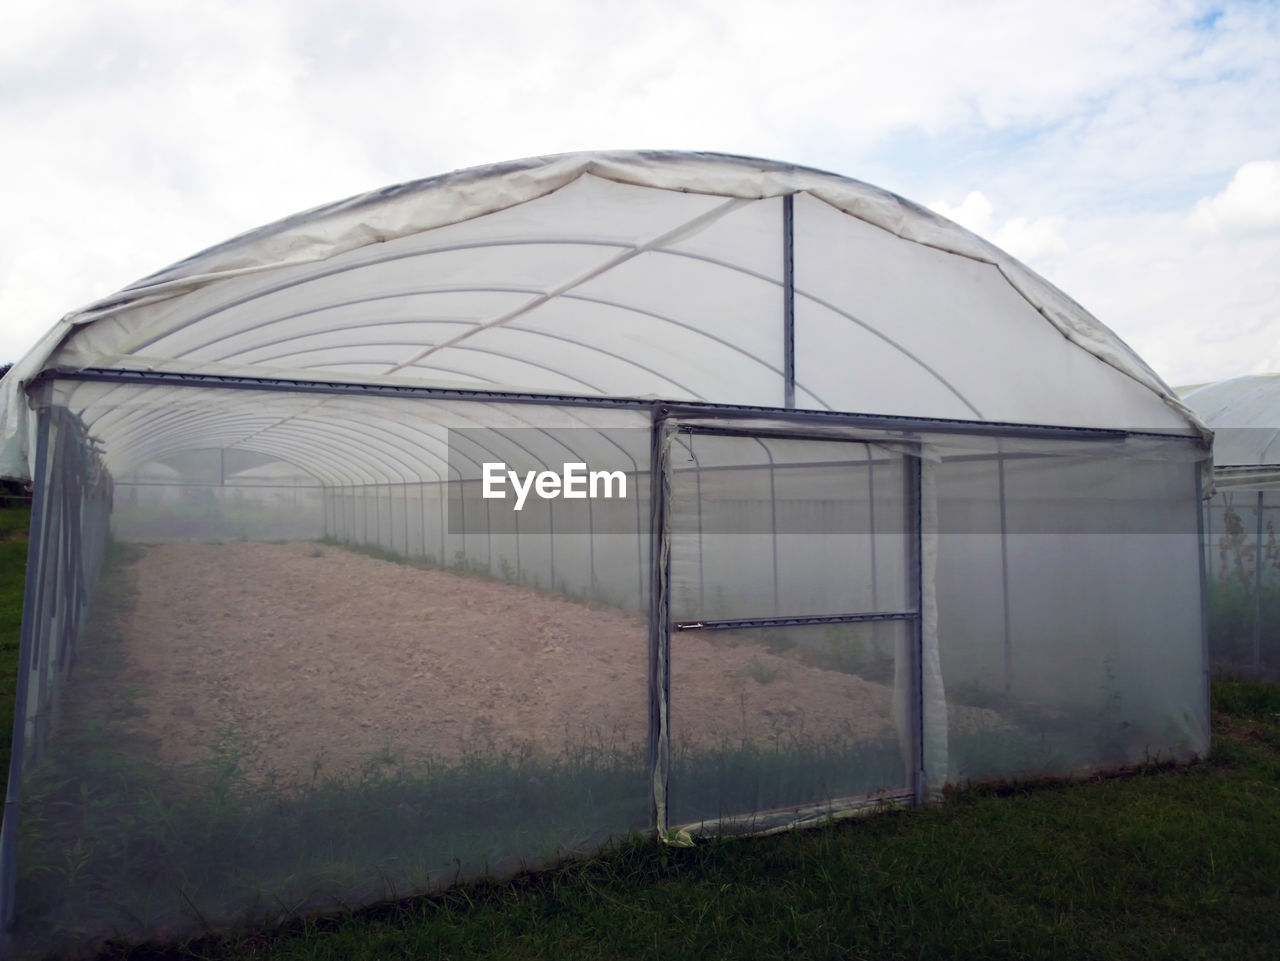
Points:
(763, 673)
(506, 570)
(130, 701)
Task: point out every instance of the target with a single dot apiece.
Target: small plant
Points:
(1239, 556)
(76, 858)
(506, 570)
(130, 697)
(763, 673)
(228, 770)
(464, 565)
(1114, 732)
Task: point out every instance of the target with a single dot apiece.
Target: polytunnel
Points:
(1242, 554)
(823, 503)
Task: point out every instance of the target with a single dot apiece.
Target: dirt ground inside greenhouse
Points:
(305, 659)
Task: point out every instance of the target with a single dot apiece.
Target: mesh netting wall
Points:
(1069, 595)
(1242, 560)
(291, 695)
(1069, 634)
(313, 665)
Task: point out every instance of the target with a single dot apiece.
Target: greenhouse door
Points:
(792, 615)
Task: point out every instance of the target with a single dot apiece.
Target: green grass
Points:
(109, 843)
(1165, 863)
(1161, 863)
(14, 523)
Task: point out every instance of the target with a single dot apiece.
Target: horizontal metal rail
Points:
(778, 820)
(744, 623)
(672, 409)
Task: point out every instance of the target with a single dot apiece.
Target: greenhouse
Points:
(484, 520)
(1242, 553)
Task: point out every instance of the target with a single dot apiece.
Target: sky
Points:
(1128, 152)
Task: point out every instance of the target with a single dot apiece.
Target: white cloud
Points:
(1032, 239)
(1250, 202)
(1197, 308)
(1025, 238)
(1197, 305)
(972, 213)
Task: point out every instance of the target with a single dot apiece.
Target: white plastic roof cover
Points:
(624, 274)
(1244, 414)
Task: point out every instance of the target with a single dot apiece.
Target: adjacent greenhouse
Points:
(1242, 553)
(474, 522)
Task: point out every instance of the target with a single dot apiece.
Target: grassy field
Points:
(1162, 863)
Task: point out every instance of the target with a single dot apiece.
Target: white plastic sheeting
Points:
(1244, 414)
(640, 274)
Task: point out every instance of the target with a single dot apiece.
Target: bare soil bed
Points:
(318, 660)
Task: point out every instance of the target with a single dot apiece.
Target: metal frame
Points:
(1004, 579)
(538, 296)
(1202, 549)
(40, 508)
(686, 409)
(661, 627)
(659, 624)
(914, 522)
(789, 301)
(1257, 592)
(801, 620)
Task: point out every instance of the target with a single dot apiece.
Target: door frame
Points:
(666, 424)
